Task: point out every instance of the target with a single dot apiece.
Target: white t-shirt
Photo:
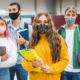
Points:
(11, 50)
(70, 42)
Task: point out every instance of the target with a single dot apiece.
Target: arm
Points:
(64, 59)
(35, 65)
(27, 65)
(12, 57)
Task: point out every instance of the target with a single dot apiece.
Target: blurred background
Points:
(31, 7)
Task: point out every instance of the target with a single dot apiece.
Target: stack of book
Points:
(29, 55)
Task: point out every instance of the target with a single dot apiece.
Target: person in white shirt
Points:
(70, 32)
(9, 56)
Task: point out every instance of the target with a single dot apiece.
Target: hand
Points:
(4, 57)
(45, 69)
(21, 40)
(37, 63)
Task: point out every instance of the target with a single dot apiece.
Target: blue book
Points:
(25, 34)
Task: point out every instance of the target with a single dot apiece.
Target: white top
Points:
(70, 41)
(11, 50)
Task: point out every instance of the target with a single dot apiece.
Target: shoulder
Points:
(12, 42)
(61, 29)
(62, 40)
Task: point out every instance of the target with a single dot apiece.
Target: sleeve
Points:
(59, 66)
(26, 43)
(27, 65)
(12, 56)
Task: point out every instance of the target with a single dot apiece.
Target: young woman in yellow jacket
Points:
(50, 46)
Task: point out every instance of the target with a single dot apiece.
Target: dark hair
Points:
(15, 3)
(70, 8)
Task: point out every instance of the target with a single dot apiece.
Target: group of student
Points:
(58, 50)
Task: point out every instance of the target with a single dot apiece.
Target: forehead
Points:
(71, 11)
(42, 17)
(13, 6)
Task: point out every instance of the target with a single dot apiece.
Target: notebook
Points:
(2, 50)
(29, 55)
(25, 34)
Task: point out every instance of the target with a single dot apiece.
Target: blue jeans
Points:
(71, 75)
(20, 72)
(4, 74)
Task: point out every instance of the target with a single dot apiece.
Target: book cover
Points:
(2, 50)
(29, 55)
(25, 34)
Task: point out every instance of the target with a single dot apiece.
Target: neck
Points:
(42, 35)
(2, 36)
(70, 27)
(16, 22)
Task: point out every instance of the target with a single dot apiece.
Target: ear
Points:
(19, 11)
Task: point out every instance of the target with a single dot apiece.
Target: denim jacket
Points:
(13, 33)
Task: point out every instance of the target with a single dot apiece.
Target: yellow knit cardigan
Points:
(44, 51)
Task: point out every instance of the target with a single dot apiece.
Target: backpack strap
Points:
(25, 25)
(60, 30)
(8, 22)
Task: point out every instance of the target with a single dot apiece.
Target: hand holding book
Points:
(31, 55)
(22, 36)
(37, 63)
(3, 54)
(2, 50)
(20, 40)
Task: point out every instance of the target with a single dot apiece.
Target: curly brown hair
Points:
(52, 35)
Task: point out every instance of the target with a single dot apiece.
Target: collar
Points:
(76, 26)
(20, 25)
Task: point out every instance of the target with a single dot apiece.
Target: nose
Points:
(42, 22)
